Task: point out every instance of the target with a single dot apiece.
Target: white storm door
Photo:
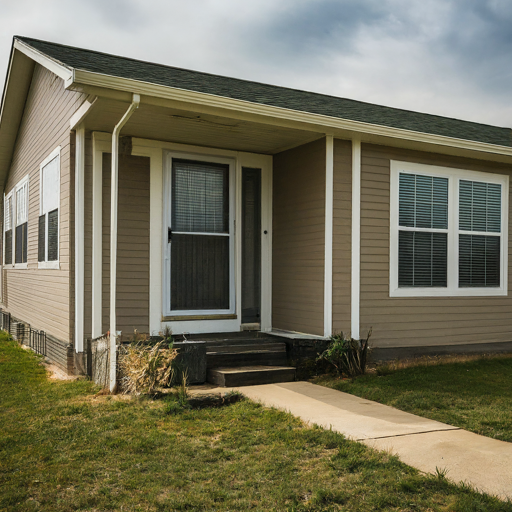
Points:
(200, 238)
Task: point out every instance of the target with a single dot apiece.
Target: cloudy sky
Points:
(447, 57)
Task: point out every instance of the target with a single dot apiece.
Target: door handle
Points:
(169, 235)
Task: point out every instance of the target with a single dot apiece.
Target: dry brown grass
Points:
(144, 368)
(399, 364)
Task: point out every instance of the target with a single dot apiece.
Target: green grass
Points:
(475, 395)
(61, 449)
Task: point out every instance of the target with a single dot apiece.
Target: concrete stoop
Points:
(250, 375)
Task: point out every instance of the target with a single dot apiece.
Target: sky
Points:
(445, 57)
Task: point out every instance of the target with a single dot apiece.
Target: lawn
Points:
(63, 449)
(474, 394)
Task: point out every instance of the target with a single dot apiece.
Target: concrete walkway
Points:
(484, 463)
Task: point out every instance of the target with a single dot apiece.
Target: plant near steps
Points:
(144, 368)
(348, 355)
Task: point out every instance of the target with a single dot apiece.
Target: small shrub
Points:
(348, 356)
(144, 368)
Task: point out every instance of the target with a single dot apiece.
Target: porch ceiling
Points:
(195, 128)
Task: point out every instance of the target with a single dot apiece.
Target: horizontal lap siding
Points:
(416, 321)
(342, 243)
(38, 296)
(298, 239)
(132, 245)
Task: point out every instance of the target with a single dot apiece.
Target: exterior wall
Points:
(132, 245)
(38, 296)
(298, 253)
(342, 239)
(410, 322)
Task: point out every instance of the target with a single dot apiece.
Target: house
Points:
(236, 204)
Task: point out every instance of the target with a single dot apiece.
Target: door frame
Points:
(156, 152)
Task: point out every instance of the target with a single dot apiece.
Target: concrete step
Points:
(250, 375)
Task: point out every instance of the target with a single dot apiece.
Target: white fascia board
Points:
(81, 112)
(54, 66)
(319, 120)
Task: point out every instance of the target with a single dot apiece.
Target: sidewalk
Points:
(482, 462)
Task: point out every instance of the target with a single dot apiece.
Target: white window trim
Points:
(49, 264)
(454, 176)
(166, 295)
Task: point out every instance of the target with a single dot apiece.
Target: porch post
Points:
(79, 237)
(356, 238)
(329, 211)
(97, 234)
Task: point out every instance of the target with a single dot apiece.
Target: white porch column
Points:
(79, 236)
(329, 212)
(356, 238)
(101, 144)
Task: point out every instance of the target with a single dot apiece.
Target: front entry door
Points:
(200, 238)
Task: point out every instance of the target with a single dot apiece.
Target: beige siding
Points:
(42, 297)
(342, 243)
(298, 239)
(418, 321)
(132, 244)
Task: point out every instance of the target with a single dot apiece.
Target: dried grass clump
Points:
(144, 368)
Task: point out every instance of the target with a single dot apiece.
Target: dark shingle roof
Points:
(270, 94)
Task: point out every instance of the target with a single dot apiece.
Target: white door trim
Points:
(155, 151)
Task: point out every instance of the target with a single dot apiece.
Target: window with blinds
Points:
(21, 235)
(8, 230)
(479, 234)
(423, 231)
(48, 234)
(448, 231)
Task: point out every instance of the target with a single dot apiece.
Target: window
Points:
(8, 229)
(448, 231)
(48, 231)
(21, 235)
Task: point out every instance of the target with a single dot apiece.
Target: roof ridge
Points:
(255, 82)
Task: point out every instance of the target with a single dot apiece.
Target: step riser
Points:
(245, 359)
(267, 347)
(250, 378)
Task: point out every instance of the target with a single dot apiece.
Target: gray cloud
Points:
(450, 57)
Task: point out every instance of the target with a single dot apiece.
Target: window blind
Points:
(422, 259)
(423, 201)
(200, 200)
(422, 255)
(53, 235)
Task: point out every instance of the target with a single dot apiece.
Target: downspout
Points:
(113, 235)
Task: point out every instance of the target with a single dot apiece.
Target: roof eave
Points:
(274, 115)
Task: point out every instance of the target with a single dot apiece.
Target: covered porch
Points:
(221, 222)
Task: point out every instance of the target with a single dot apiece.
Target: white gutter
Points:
(113, 235)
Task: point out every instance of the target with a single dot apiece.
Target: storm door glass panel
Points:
(200, 259)
(251, 245)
